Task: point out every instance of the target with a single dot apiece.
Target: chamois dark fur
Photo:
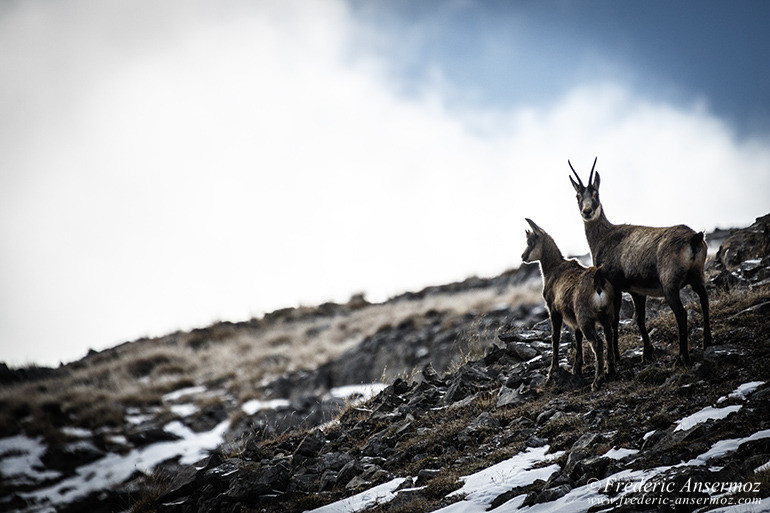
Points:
(645, 261)
(579, 296)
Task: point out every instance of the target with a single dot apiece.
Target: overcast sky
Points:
(167, 164)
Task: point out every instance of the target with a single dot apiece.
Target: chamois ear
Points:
(535, 228)
(575, 185)
(596, 181)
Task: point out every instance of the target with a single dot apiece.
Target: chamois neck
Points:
(597, 229)
(551, 258)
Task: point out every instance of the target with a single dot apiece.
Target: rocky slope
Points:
(461, 420)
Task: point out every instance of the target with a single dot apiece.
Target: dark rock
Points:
(405, 499)
(307, 482)
(181, 485)
(552, 494)
(311, 444)
(358, 482)
(328, 480)
(389, 401)
(526, 335)
(68, 456)
(505, 497)
(536, 380)
(725, 353)
(511, 397)
(252, 481)
(149, 434)
(335, 460)
(400, 387)
(752, 243)
(575, 457)
(522, 350)
(350, 470)
(563, 380)
(597, 467)
(217, 476)
(484, 423)
(543, 417)
(425, 475)
(377, 446)
(586, 440)
(208, 418)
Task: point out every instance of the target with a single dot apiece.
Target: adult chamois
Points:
(579, 296)
(645, 261)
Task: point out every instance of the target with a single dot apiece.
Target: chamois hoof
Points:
(682, 361)
(649, 355)
(552, 370)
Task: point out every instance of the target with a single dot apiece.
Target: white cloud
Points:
(163, 168)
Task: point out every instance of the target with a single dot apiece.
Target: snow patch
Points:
(76, 432)
(706, 414)
(742, 392)
(364, 391)
(115, 469)
(723, 447)
(619, 454)
(183, 410)
(583, 498)
(483, 487)
(255, 405)
(380, 494)
(182, 392)
(20, 460)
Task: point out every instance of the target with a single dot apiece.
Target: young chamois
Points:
(579, 296)
(645, 261)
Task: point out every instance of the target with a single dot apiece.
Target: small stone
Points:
(426, 475)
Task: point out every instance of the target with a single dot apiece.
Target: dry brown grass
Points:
(237, 357)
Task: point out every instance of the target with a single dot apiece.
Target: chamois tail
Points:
(696, 243)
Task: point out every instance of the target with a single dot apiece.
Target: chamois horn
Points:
(579, 181)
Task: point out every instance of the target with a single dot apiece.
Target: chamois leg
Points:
(618, 300)
(699, 287)
(556, 321)
(589, 330)
(608, 336)
(640, 306)
(675, 302)
(578, 368)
